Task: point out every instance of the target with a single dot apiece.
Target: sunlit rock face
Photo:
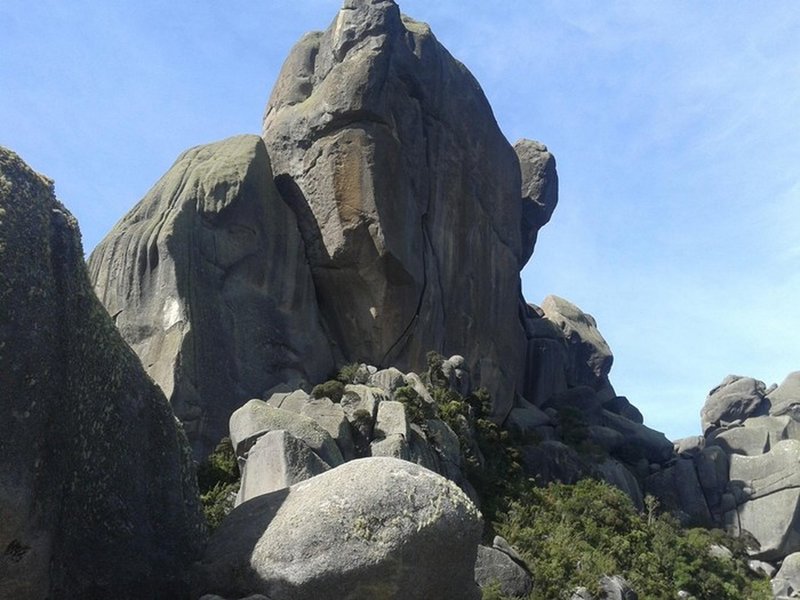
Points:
(207, 279)
(407, 194)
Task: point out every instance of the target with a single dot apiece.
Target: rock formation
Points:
(97, 491)
(208, 281)
(743, 473)
(407, 194)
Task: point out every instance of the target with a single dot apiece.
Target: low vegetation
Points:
(218, 480)
(572, 535)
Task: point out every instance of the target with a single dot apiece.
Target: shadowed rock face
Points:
(407, 195)
(207, 280)
(97, 492)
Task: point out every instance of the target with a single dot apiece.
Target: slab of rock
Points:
(391, 420)
(371, 528)
(590, 357)
(767, 488)
(256, 418)
(736, 398)
(331, 418)
(640, 440)
(388, 379)
(712, 465)
(207, 280)
(679, 490)
(494, 566)
(615, 473)
(392, 446)
(546, 368)
(277, 461)
(539, 191)
(97, 488)
(786, 583)
(405, 188)
(786, 396)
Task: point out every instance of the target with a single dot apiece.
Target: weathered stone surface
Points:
(388, 379)
(590, 357)
(257, 418)
(89, 448)
(294, 401)
(712, 466)
(616, 588)
(539, 191)
(749, 441)
(371, 528)
(456, 371)
(553, 461)
(495, 566)
(767, 489)
(640, 440)
(331, 418)
(786, 582)
(546, 368)
(680, 492)
(736, 398)
(362, 398)
(786, 395)
(616, 474)
(405, 188)
(207, 280)
(689, 446)
(392, 446)
(621, 406)
(277, 461)
(524, 419)
(391, 420)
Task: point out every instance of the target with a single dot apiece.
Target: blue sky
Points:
(676, 127)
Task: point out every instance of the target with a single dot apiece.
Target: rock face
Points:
(407, 195)
(371, 528)
(207, 280)
(97, 491)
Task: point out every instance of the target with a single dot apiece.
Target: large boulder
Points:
(735, 399)
(590, 358)
(371, 528)
(786, 396)
(767, 489)
(257, 418)
(494, 566)
(407, 195)
(97, 491)
(539, 191)
(208, 281)
(786, 583)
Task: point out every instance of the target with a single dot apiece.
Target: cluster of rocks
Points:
(292, 436)
(742, 473)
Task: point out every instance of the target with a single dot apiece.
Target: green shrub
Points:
(218, 481)
(332, 389)
(347, 374)
(572, 535)
(417, 409)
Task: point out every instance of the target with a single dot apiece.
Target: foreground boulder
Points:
(97, 493)
(408, 196)
(371, 528)
(207, 279)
